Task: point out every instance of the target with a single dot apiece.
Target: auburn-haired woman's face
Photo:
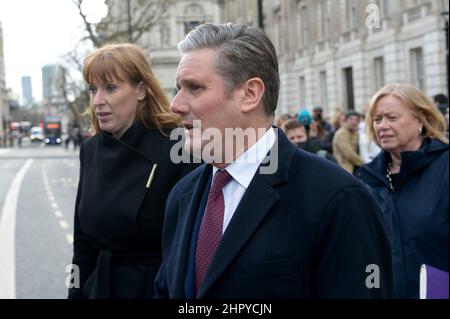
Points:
(396, 128)
(115, 104)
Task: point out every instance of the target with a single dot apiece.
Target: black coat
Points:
(118, 220)
(416, 214)
(309, 230)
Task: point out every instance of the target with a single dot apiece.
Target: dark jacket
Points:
(309, 230)
(118, 220)
(416, 214)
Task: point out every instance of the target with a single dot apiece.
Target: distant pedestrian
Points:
(346, 143)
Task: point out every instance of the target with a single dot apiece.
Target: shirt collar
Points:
(244, 167)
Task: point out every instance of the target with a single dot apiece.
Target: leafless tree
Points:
(127, 20)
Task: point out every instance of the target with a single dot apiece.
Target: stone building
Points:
(337, 53)
(161, 42)
(4, 103)
(333, 53)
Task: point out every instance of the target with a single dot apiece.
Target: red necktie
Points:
(211, 227)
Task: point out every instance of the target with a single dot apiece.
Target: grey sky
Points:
(35, 33)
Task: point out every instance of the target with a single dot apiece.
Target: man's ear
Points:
(252, 93)
(141, 92)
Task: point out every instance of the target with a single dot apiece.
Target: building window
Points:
(277, 33)
(319, 21)
(443, 5)
(190, 25)
(194, 15)
(353, 15)
(417, 69)
(324, 91)
(299, 26)
(302, 92)
(326, 17)
(348, 88)
(164, 35)
(384, 9)
(379, 72)
(305, 26)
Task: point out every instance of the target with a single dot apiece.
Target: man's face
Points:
(297, 135)
(317, 114)
(203, 96)
(352, 122)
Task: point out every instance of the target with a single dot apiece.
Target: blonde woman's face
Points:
(396, 128)
(115, 105)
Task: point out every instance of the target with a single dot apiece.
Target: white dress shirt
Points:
(242, 170)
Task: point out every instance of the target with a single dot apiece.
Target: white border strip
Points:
(7, 236)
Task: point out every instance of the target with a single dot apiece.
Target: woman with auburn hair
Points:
(409, 180)
(126, 174)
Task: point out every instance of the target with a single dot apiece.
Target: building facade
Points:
(4, 104)
(27, 95)
(54, 99)
(337, 53)
(160, 43)
(332, 53)
(53, 85)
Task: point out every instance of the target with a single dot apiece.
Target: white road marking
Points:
(63, 224)
(7, 235)
(3, 151)
(58, 213)
(55, 205)
(69, 238)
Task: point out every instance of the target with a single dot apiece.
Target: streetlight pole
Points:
(130, 30)
(444, 15)
(260, 14)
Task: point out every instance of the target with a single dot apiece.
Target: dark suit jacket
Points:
(310, 230)
(118, 220)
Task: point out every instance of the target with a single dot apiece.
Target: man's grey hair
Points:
(244, 52)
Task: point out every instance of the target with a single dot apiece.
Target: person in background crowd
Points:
(233, 228)
(126, 173)
(346, 143)
(368, 149)
(305, 118)
(282, 119)
(409, 180)
(295, 131)
(441, 102)
(446, 122)
(319, 117)
(338, 120)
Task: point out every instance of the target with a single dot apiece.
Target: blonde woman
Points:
(409, 180)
